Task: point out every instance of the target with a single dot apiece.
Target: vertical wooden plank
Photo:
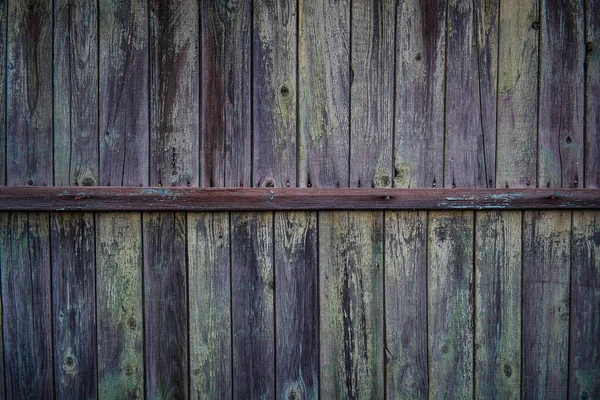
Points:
(73, 294)
(324, 90)
(351, 290)
(406, 304)
(517, 94)
(210, 305)
(123, 74)
(119, 305)
(165, 305)
(498, 262)
(225, 108)
(75, 93)
(592, 94)
(252, 304)
(372, 93)
(561, 94)
(546, 261)
(25, 267)
(29, 93)
(274, 97)
(296, 305)
(450, 304)
(3, 108)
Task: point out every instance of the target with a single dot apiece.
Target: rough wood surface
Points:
(592, 94)
(26, 302)
(406, 304)
(74, 305)
(546, 275)
(253, 286)
(3, 61)
(119, 305)
(450, 304)
(123, 70)
(296, 305)
(351, 318)
(210, 305)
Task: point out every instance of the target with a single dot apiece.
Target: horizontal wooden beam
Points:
(210, 199)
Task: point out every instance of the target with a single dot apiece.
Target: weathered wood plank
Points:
(498, 262)
(123, 70)
(253, 305)
(29, 93)
(406, 304)
(74, 303)
(351, 290)
(546, 262)
(3, 100)
(119, 307)
(324, 90)
(165, 305)
(75, 93)
(210, 305)
(450, 304)
(25, 262)
(225, 108)
(561, 94)
(372, 93)
(584, 375)
(296, 305)
(592, 94)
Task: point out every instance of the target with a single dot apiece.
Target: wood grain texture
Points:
(3, 99)
(73, 305)
(174, 93)
(225, 109)
(592, 94)
(165, 305)
(420, 80)
(123, 92)
(372, 93)
(324, 81)
(29, 93)
(119, 307)
(561, 94)
(351, 290)
(498, 262)
(584, 363)
(210, 305)
(75, 93)
(26, 302)
(546, 275)
(253, 305)
(450, 304)
(517, 93)
(296, 305)
(406, 304)
(275, 92)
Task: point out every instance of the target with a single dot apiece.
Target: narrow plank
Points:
(3, 108)
(546, 262)
(75, 93)
(275, 92)
(372, 93)
(584, 363)
(165, 305)
(561, 94)
(420, 83)
(498, 262)
(123, 92)
(119, 305)
(406, 304)
(73, 308)
(351, 291)
(450, 304)
(324, 81)
(29, 93)
(253, 305)
(592, 96)
(225, 106)
(296, 305)
(517, 93)
(210, 305)
(26, 299)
